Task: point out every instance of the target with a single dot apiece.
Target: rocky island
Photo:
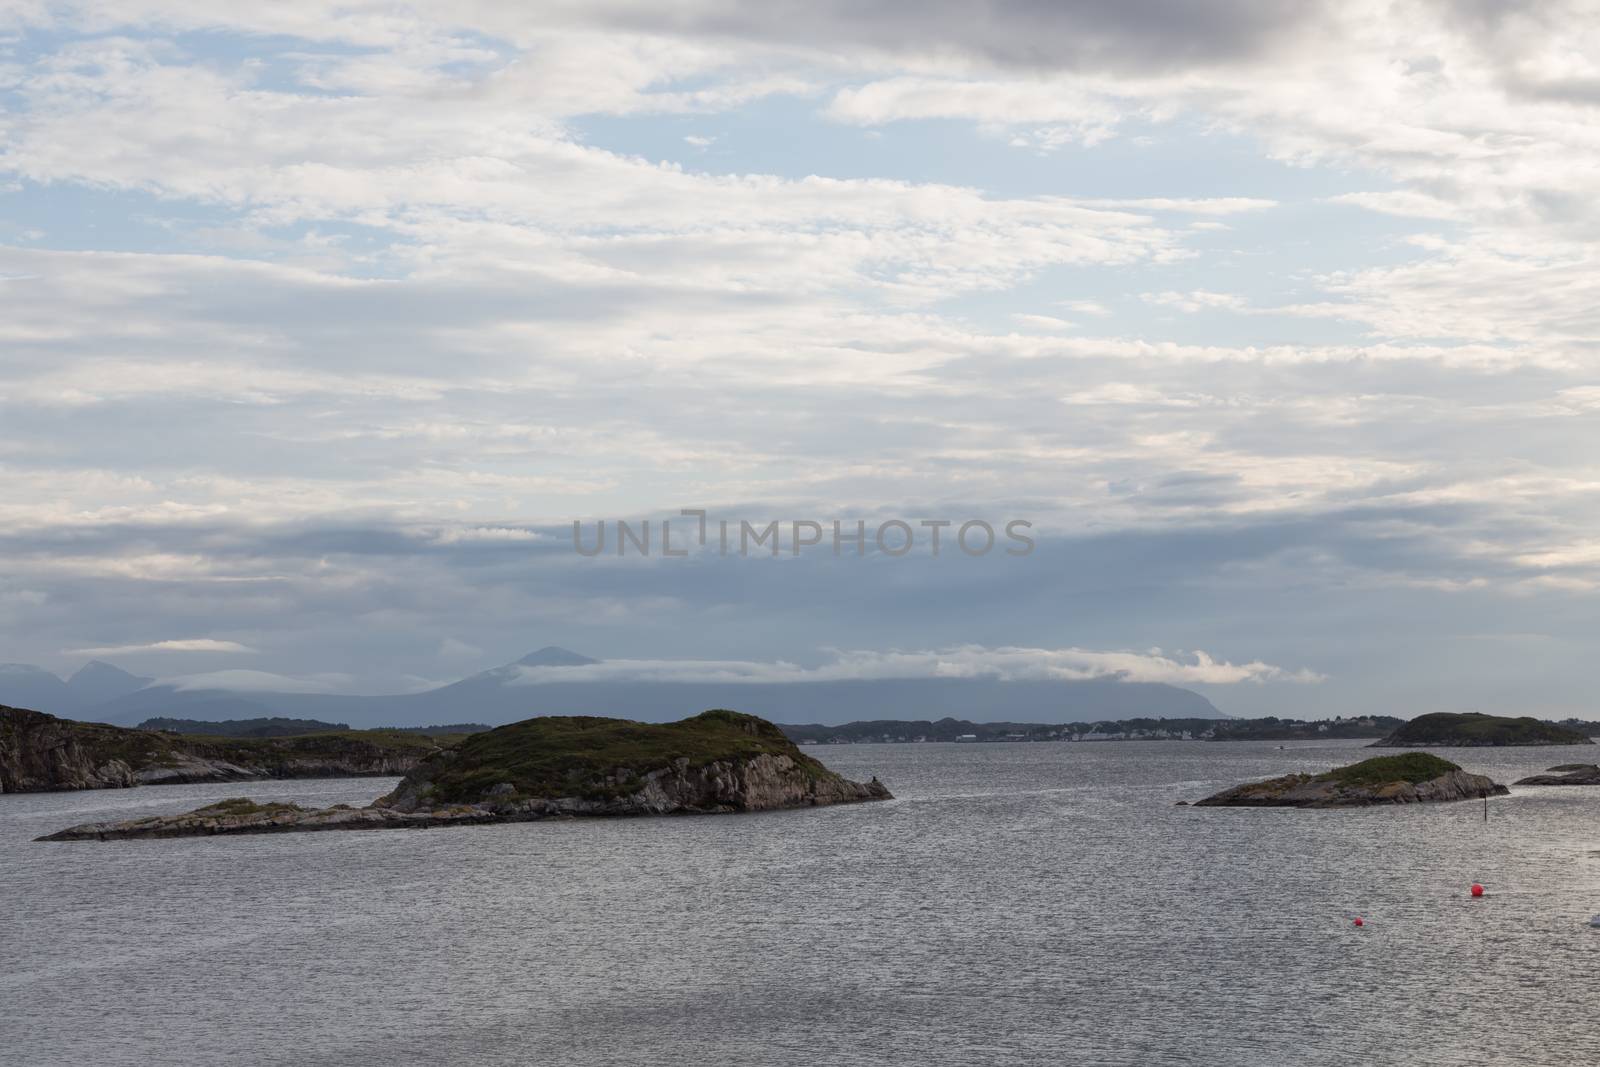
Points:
(554, 767)
(41, 753)
(1414, 778)
(1473, 730)
(1565, 774)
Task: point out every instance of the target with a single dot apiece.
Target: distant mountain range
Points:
(25, 686)
(101, 692)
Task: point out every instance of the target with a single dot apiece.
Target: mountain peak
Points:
(98, 681)
(22, 685)
(99, 668)
(30, 669)
(552, 656)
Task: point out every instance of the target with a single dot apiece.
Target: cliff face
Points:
(754, 783)
(321, 755)
(41, 753)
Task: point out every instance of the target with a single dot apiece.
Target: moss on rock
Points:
(597, 758)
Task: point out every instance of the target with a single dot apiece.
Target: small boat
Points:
(1595, 921)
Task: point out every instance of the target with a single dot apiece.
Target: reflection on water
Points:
(1019, 904)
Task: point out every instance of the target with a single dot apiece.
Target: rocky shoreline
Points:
(756, 774)
(240, 815)
(1416, 778)
(41, 753)
(1565, 774)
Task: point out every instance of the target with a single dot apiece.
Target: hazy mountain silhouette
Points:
(552, 656)
(504, 694)
(98, 681)
(23, 685)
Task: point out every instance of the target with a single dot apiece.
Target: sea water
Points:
(1030, 903)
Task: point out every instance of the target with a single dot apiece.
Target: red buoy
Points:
(1360, 921)
(1477, 890)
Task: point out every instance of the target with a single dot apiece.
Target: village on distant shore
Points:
(1269, 728)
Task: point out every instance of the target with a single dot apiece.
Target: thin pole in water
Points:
(1486, 807)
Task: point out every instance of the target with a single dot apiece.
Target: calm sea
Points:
(1018, 904)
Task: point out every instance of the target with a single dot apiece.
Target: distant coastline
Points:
(43, 753)
(1270, 728)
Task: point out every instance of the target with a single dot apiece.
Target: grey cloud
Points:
(292, 459)
(395, 596)
(1142, 36)
(1584, 91)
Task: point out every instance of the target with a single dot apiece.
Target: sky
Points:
(323, 323)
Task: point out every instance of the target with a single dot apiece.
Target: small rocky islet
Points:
(552, 767)
(1565, 774)
(1414, 778)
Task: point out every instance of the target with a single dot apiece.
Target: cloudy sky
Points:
(323, 322)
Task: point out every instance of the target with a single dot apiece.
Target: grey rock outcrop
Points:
(1567, 774)
(757, 783)
(762, 771)
(43, 753)
(1314, 791)
(40, 752)
(240, 816)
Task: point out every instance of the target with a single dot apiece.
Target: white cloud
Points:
(1043, 322)
(1493, 288)
(1208, 206)
(967, 661)
(452, 649)
(404, 305)
(484, 534)
(192, 644)
(1061, 113)
(242, 681)
(1196, 300)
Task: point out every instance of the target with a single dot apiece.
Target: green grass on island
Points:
(239, 807)
(571, 755)
(1413, 767)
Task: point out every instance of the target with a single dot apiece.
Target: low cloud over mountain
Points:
(1015, 684)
